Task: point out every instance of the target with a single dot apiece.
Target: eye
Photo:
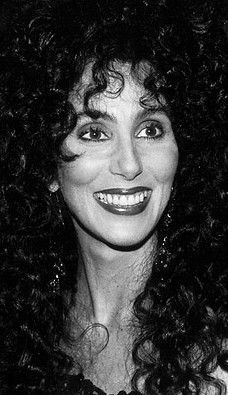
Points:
(94, 134)
(153, 131)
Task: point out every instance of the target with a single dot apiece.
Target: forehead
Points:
(123, 84)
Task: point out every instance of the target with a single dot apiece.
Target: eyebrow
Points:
(156, 109)
(98, 114)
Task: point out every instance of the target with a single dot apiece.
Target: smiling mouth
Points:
(124, 201)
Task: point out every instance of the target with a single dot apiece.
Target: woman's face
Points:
(118, 187)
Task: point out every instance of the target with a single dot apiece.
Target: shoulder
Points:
(221, 375)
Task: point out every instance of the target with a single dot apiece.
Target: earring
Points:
(58, 273)
(60, 214)
(58, 267)
(53, 187)
(163, 256)
(57, 200)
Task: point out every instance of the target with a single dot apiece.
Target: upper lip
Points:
(124, 191)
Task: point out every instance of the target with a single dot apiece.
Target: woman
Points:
(113, 273)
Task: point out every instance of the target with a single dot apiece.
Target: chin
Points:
(126, 241)
(119, 236)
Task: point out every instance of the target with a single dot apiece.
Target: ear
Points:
(54, 186)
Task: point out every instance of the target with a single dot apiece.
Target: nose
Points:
(125, 161)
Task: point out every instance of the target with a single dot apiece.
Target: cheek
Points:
(164, 164)
(80, 172)
(84, 169)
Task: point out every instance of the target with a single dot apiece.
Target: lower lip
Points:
(128, 210)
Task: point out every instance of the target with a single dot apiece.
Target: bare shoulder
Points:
(223, 376)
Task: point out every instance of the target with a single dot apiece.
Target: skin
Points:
(128, 148)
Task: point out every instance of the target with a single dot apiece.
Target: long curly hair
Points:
(182, 312)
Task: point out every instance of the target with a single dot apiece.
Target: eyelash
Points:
(94, 130)
(153, 125)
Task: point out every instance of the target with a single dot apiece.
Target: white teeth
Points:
(115, 199)
(136, 198)
(123, 200)
(109, 198)
(130, 200)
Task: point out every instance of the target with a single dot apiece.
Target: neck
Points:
(110, 279)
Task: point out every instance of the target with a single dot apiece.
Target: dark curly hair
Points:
(182, 312)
